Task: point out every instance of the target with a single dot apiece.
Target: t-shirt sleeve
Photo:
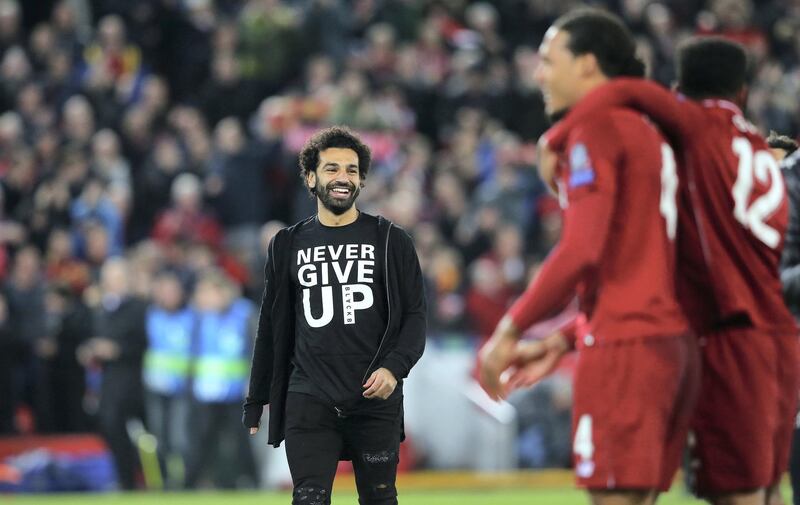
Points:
(590, 163)
(587, 188)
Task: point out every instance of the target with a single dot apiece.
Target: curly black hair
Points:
(335, 136)
(776, 141)
(711, 67)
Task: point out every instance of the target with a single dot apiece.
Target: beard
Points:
(337, 206)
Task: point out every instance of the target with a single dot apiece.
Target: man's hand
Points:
(84, 355)
(105, 348)
(496, 356)
(535, 359)
(46, 347)
(380, 384)
(547, 161)
(251, 416)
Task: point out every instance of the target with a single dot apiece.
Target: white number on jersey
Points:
(582, 445)
(766, 170)
(669, 187)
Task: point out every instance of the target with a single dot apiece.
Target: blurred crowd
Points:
(148, 153)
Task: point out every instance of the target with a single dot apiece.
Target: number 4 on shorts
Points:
(583, 447)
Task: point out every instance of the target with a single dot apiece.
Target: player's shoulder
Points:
(611, 134)
(612, 122)
(727, 115)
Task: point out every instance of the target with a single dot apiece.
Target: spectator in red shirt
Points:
(185, 219)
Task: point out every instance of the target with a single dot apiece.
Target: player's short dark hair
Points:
(335, 136)
(711, 67)
(598, 32)
(784, 142)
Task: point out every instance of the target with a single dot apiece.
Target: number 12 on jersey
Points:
(753, 216)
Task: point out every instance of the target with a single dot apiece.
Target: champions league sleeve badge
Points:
(580, 167)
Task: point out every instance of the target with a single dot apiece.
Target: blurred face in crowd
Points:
(97, 243)
(353, 85)
(114, 277)
(15, 66)
(64, 16)
(78, 118)
(558, 72)
(732, 13)
(155, 94)
(26, 267)
(9, 18)
(320, 72)
(30, 100)
(10, 128)
(54, 303)
(225, 69)
(167, 154)
(213, 295)
(225, 38)
(112, 33)
(229, 135)
(59, 66)
(42, 41)
(508, 242)
(168, 292)
(187, 192)
(486, 277)
(59, 245)
(337, 180)
(105, 146)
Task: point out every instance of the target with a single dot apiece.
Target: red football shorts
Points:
(633, 402)
(745, 416)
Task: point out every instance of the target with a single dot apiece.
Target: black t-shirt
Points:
(340, 308)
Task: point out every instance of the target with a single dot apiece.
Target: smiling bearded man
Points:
(342, 322)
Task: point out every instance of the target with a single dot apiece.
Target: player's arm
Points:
(263, 352)
(585, 228)
(673, 113)
(586, 222)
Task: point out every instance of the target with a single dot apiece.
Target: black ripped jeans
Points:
(317, 437)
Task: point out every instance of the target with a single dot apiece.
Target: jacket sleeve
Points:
(129, 334)
(134, 345)
(411, 338)
(263, 352)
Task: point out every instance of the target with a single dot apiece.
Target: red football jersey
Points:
(617, 186)
(734, 210)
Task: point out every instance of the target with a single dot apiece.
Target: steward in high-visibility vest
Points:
(222, 361)
(222, 348)
(168, 357)
(167, 363)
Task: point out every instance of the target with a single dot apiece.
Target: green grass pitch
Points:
(510, 497)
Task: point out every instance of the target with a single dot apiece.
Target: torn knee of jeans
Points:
(311, 495)
(383, 490)
(374, 458)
